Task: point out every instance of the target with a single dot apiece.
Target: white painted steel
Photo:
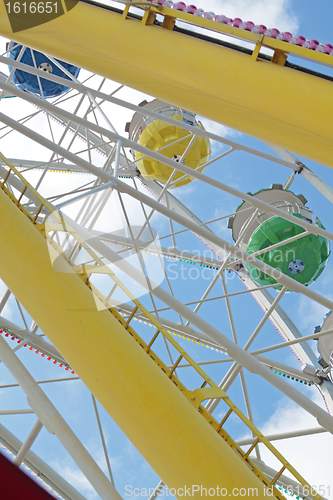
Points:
(53, 421)
(18, 460)
(240, 355)
(176, 212)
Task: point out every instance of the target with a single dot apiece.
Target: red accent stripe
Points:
(16, 485)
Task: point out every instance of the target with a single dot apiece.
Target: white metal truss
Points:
(80, 137)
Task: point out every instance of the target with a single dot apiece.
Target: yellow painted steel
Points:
(167, 430)
(277, 104)
(162, 136)
(260, 98)
(54, 222)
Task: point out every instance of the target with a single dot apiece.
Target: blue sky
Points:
(272, 412)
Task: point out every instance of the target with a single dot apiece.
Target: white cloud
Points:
(311, 456)
(272, 13)
(76, 479)
(310, 313)
(222, 131)
(217, 128)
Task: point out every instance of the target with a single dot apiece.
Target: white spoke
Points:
(113, 210)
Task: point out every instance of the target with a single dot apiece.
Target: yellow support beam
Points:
(162, 424)
(206, 389)
(274, 103)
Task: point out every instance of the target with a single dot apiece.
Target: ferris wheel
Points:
(141, 280)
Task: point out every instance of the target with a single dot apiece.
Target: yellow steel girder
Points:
(162, 424)
(279, 105)
(260, 98)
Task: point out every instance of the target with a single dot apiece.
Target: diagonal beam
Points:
(137, 109)
(312, 228)
(285, 435)
(240, 355)
(124, 188)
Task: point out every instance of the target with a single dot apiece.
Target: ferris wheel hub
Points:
(296, 266)
(46, 67)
